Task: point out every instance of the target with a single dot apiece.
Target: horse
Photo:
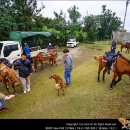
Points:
(8, 77)
(120, 67)
(127, 46)
(40, 58)
(102, 65)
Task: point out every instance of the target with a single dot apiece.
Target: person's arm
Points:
(30, 67)
(15, 63)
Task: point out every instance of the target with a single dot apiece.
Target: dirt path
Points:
(77, 52)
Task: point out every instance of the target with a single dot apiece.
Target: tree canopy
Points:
(24, 15)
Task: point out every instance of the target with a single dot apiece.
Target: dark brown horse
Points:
(8, 77)
(127, 46)
(121, 66)
(40, 59)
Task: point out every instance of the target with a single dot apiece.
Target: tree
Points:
(7, 22)
(74, 14)
(24, 12)
(60, 17)
(90, 26)
(100, 27)
(108, 22)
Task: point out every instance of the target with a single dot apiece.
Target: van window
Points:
(8, 49)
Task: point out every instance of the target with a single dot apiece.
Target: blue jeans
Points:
(67, 77)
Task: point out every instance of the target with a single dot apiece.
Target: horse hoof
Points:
(98, 80)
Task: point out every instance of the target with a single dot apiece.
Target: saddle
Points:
(6, 62)
(110, 59)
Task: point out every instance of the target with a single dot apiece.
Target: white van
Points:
(72, 42)
(11, 50)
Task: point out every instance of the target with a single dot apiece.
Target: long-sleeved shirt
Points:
(25, 67)
(68, 63)
(26, 50)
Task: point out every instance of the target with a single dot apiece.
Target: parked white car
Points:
(12, 50)
(72, 43)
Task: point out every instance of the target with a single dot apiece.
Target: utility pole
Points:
(127, 2)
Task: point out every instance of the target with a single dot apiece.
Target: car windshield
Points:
(1, 45)
(71, 40)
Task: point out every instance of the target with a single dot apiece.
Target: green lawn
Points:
(85, 98)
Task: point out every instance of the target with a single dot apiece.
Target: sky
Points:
(86, 7)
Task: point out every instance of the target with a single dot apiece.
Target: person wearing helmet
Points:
(49, 46)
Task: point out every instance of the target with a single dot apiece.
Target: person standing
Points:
(49, 46)
(25, 69)
(26, 50)
(68, 66)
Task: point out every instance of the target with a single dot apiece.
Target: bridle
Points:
(5, 78)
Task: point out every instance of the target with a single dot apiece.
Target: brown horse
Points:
(121, 66)
(102, 65)
(127, 46)
(40, 58)
(8, 77)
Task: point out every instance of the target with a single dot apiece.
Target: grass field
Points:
(85, 98)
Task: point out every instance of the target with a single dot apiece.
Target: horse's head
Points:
(54, 76)
(97, 57)
(12, 77)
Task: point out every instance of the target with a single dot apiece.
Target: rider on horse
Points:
(126, 42)
(110, 56)
(113, 46)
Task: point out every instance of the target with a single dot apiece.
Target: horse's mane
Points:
(124, 58)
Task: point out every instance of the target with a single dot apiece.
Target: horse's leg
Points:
(52, 62)
(14, 89)
(119, 79)
(113, 80)
(104, 72)
(55, 61)
(42, 64)
(99, 70)
(35, 67)
(8, 93)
